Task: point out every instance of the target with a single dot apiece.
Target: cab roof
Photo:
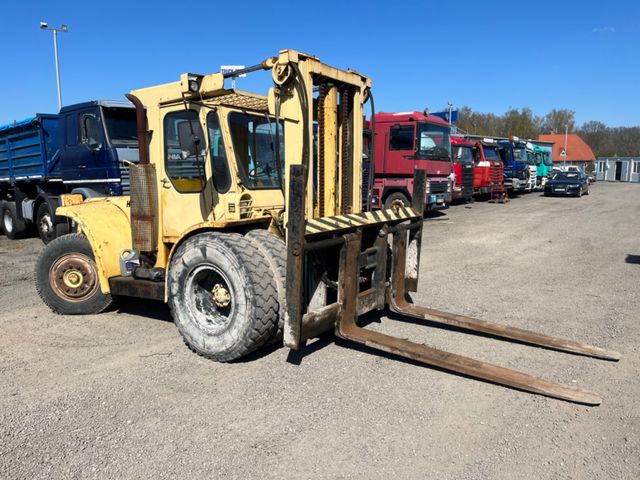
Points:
(100, 103)
(386, 117)
(457, 140)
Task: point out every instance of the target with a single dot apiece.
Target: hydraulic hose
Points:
(372, 150)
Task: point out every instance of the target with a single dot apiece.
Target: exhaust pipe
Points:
(144, 190)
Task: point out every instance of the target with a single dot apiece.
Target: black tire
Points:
(587, 191)
(57, 282)
(275, 251)
(13, 228)
(2, 202)
(396, 198)
(243, 317)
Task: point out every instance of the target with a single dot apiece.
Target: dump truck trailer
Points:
(404, 142)
(84, 149)
(252, 231)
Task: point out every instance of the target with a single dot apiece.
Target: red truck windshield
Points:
(434, 140)
(462, 154)
(491, 153)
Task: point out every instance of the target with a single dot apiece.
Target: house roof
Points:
(577, 149)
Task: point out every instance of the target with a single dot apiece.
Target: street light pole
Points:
(566, 134)
(63, 28)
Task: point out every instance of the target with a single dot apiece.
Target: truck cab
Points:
(463, 154)
(517, 174)
(405, 142)
(98, 139)
(544, 165)
(488, 172)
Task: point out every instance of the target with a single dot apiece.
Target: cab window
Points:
(401, 137)
(221, 175)
(184, 150)
(254, 144)
(90, 129)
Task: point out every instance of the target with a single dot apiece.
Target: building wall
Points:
(626, 169)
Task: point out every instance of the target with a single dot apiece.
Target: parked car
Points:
(567, 183)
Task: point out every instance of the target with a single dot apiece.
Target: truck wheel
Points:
(13, 228)
(222, 296)
(397, 199)
(67, 277)
(44, 223)
(275, 251)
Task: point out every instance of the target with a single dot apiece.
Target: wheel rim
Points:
(211, 298)
(8, 221)
(73, 277)
(46, 225)
(397, 204)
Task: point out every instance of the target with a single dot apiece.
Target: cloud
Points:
(603, 30)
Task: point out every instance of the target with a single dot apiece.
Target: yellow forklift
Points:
(246, 214)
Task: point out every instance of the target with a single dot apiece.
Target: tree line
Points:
(604, 141)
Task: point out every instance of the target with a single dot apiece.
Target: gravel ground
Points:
(118, 395)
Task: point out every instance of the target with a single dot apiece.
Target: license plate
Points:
(558, 189)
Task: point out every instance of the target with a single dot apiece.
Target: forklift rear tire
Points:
(397, 198)
(222, 296)
(13, 228)
(67, 277)
(275, 251)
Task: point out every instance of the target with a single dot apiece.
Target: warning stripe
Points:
(354, 220)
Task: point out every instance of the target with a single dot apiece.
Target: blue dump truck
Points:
(519, 164)
(84, 149)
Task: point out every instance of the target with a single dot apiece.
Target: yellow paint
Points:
(330, 134)
(105, 222)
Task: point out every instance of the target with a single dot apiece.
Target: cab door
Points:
(400, 149)
(182, 185)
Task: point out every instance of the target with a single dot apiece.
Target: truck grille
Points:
(495, 176)
(438, 187)
(467, 178)
(125, 179)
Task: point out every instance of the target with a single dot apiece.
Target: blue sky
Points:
(488, 55)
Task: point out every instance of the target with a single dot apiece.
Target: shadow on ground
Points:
(633, 259)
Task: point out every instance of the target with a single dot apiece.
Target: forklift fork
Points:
(385, 290)
(348, 329)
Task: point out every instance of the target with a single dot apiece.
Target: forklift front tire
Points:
(222, 296)
(67, 277)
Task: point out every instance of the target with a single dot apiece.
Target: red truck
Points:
(485, 154)
(403, 143)
(488, 174)
(463, 153)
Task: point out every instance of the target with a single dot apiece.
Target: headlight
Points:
(428, 186)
